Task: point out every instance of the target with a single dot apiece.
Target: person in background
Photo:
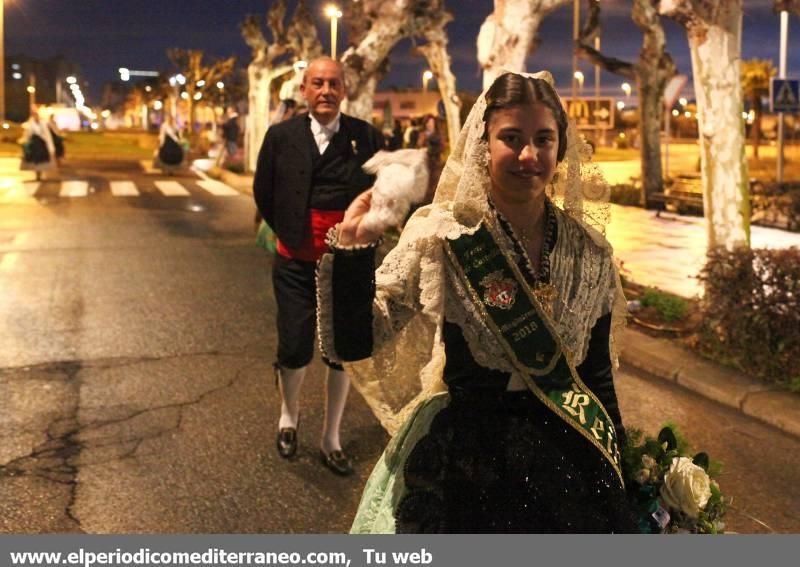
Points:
(431, 141)
(411, 134)
(308, 172)
(38, 147)
(231, 132)
(170, 148)
(58, 138)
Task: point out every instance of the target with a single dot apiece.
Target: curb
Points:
(670, 361)
(242, 183)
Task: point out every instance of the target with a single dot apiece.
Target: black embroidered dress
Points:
(491, 460)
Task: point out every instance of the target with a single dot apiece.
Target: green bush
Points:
(751, 312)
(669, 307)
(626, 194)
(236, 167)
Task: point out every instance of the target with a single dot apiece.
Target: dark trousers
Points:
(295, 286)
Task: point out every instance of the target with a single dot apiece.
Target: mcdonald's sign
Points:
(590, 113)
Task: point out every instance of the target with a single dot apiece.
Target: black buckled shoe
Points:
(337, 462)
(287, 442)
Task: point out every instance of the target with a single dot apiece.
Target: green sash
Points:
(518, 321)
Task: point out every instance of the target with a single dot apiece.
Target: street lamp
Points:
(426, 76)
(31, 94)
(626, 88)
(334, 13)
(2, 67)
(579, 77)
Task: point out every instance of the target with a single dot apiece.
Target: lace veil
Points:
(407, 366)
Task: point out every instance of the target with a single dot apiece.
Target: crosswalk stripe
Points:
(74, 188)
(171, 188)
(217, 188)
(123, 188)
(12, 191)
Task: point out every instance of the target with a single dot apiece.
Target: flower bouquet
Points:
(672, 492)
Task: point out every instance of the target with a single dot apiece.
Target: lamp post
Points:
(426, 76)
(2, 66)
(333, 12)
(578, 76)
(576, 20)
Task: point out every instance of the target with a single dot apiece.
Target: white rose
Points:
(648, 462)
(686, 487)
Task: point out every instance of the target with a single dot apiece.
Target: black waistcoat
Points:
(336, 176)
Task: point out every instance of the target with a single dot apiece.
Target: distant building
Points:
(398, 105)
(47, 76)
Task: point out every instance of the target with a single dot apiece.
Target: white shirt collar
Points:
(330, 128)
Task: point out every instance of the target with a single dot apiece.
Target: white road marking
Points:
(9, 261)
(217, 188)
(123, 188)
(74, 188)
(171, 188)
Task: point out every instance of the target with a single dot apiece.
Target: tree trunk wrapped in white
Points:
(375, 28)
(270, 61)
(714, 30)
(365, 60)
(508, 35)
(651, 73)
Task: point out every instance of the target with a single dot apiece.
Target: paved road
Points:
(135, 383)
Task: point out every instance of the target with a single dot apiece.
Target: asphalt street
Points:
(136, 390)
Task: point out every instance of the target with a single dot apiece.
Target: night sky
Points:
(103, 35)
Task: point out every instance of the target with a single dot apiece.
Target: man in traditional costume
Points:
(308, 172)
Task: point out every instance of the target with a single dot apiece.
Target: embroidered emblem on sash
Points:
(499, 292)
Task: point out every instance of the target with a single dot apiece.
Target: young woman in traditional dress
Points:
(484, 341)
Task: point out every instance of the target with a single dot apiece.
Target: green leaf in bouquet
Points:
(654, 449)
(701, 460)
(714, 469)
(667, 435)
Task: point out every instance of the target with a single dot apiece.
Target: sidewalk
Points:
(667, 359)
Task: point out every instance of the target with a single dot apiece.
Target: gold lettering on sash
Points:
(611, 444)
(523, 332)
(598, 428)
(479, 261)
(574, 402)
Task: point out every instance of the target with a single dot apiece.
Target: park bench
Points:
(776, 205)
(685, 194)
(771, 204)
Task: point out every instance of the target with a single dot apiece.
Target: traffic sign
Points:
(784, 95)
(673, 89)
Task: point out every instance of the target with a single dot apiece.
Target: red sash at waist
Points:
(314, 244)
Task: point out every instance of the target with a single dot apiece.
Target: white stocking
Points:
(291, 379)
(338, 383)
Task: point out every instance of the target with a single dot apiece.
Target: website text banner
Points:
(394, 551)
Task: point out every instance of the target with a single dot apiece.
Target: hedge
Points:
(751, 312)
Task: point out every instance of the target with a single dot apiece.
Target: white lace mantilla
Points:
(417, 289)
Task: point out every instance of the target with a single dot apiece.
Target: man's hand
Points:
(351, 231)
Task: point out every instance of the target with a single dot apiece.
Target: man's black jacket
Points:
(283, 179)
